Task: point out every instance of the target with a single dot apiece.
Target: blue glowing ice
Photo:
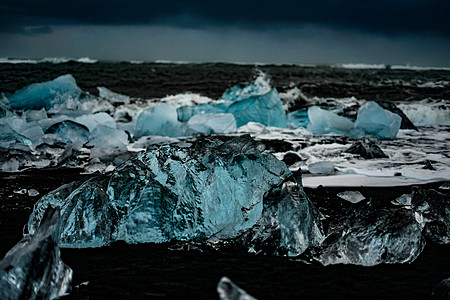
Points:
(46, 94)
(323, 122)
(159, 120)
(375, 120)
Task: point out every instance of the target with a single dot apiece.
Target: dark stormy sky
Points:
(415, 32)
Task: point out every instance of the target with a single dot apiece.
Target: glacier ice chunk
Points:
(112, 96)
(321, 167)
(266, 109)
(185, 113)
(298, 118)
(70, 131)
(33, 268)
(260, 86)
(432, 211)
(351, 196)
(92, 120)
(375, 120)
(161, 119)
(213, 123)
(324, 122)
(371, 236)
(228, 290)
(46, 94)
(169, 192)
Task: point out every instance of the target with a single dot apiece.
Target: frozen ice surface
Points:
(33, 269)
(266, 109)
(213, 123)
(46, 94)
(375, 120)
(92, 120)
(209, 189)
(228, 290)
(260, 86)
(432, 211)
(321, 167)
(161, 119)
(185, 113)
(370, 236)
(324, 122)
(70, 131)
(298, 118)
(112, 96)
(351, 196)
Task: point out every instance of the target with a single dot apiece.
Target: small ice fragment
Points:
(321, 167)
(112, 96)
(351, 196)
(445, 186)
(404, 200)
(33, 193)
(227, 290)
(21, 191)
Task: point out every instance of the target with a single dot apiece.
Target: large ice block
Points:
(46, 94)
(187, 112)
(161, 119)
(324, 122)
(260, 86)
(208, 189)
(266, 109)
(377, 121)
(33, 268)
(370, 236)
(298, 118)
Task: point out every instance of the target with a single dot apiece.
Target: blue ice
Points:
(324, 122)
(46, 94)
(375, 120)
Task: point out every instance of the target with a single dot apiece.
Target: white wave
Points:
(417, 68)
(361, 66)
(174, 62)
(185, 99)
(53, 60)
(427, 113)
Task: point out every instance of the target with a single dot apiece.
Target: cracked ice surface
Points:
(33, 268)
(209, 189)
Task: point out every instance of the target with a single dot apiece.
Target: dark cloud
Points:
(383, 16)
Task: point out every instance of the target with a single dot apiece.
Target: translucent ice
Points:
(227, 290)
(213, 123)
(321, 167)
(46, 94)
(260, 86)
(107, 142)
(323, 122)
(298, 118)
(266, 109)
(377, 121)
(70, 131)
(432, 211)
(351, 196)
(112, 96)
(161, 119)
(92, 120)
(186, 112)
(33, 268)
(209, 189)
(371, 236)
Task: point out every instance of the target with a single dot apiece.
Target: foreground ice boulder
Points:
(375, 120)
(209, 189)
(33, 268)
(371, 236)
(46, 94)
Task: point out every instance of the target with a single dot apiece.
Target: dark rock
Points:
(442, 290)
(291, 158)
(367, 149)
(428, 166)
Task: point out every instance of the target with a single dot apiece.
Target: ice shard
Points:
(112, 96)
(260, 86)
(228, 290)
(371, 236)
(406, 122)
(298, 118)
(324, 122)
(33, 268)
(46, 94)
(289, 224)
(375, 120)
(70, 131)
(432, 211)
(266, 109)
(169, 192)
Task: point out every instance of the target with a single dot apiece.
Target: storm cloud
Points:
(381, 17)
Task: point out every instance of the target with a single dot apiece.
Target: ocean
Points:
(191, 270)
